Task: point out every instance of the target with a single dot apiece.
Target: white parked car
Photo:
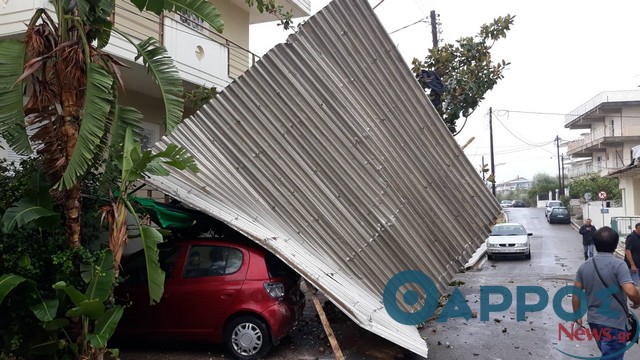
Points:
(505, 203)
(508, 239)
(550, 205)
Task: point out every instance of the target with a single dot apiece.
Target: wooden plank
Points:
(325, 322)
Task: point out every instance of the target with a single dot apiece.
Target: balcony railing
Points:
(586, 140)
(224, 60)
(203, 56)
(603, 97)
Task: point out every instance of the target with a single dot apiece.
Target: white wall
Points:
(592, 210)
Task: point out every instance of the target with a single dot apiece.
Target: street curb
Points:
(482, 250)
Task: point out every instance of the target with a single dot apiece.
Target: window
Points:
(560, 211)
(207, 260)
(150, 135)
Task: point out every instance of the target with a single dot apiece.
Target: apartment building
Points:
(611, 125)
(519, 183)
(203, 57)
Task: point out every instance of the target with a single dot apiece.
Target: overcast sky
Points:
(562, 54)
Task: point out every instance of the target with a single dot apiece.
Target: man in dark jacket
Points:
(587, 230)
(632, 253)
(607, 310)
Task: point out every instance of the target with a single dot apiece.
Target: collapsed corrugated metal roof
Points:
(328, 153)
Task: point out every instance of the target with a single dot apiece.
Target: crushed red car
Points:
(216, 291)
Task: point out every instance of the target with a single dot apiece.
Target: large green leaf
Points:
(22, 213)
(92, 309)
(8, 282)
(56, 324)
(105, 327)
(95, 121)
(161, 66)
(46, 310)
(125, 117)
(12, 129)
(155, 276)
(132, 163)
(76, 296)
(136, 162)
(102, 278)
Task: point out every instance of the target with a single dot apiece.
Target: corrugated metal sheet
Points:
(328, 153)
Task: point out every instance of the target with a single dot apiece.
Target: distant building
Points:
(611, 121)
(519, 183)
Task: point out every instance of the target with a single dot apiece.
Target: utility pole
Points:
(563, 185)
(560, 189)
(493, 164)
(434, 29)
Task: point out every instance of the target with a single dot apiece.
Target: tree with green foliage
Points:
(466, 70)
(594, 183)
(542, 184)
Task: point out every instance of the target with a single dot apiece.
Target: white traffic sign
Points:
(587, 196)
(602, 195)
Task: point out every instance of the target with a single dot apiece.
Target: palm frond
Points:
(155, 276)
(174, 156)
(12, 129)
(201, 8)
(161, 66)
(126, 117)
(98, 103)
(22, 213)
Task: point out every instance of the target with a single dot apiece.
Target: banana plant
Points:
(72, 87)
(98, 321)
(134, 164)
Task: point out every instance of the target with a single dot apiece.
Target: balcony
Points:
(586, 169)
(596, 108)
(601, 138)
(202, 56)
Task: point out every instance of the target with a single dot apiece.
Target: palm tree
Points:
(72, 113)
(72, 119)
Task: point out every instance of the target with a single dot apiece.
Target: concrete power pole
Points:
(560, 189)
(493, 166)
(434, 29)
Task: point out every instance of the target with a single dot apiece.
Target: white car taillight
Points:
(274, 289)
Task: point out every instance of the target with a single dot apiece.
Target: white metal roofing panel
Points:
(328, 153)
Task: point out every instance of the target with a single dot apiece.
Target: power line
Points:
(523, 141)
(558, 114)
(406, 26)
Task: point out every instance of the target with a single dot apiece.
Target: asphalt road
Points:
(556, 255)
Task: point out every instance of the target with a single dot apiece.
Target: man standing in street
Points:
(606, 314)
(587, 230)
(632, 253)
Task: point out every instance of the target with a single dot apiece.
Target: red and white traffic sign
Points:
(602, 195)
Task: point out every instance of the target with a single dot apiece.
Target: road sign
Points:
(604, 211)
(587, 196)
(602, 195)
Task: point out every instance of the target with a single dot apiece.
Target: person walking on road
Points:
(587, 230)
(632, 253)
(606, 314)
